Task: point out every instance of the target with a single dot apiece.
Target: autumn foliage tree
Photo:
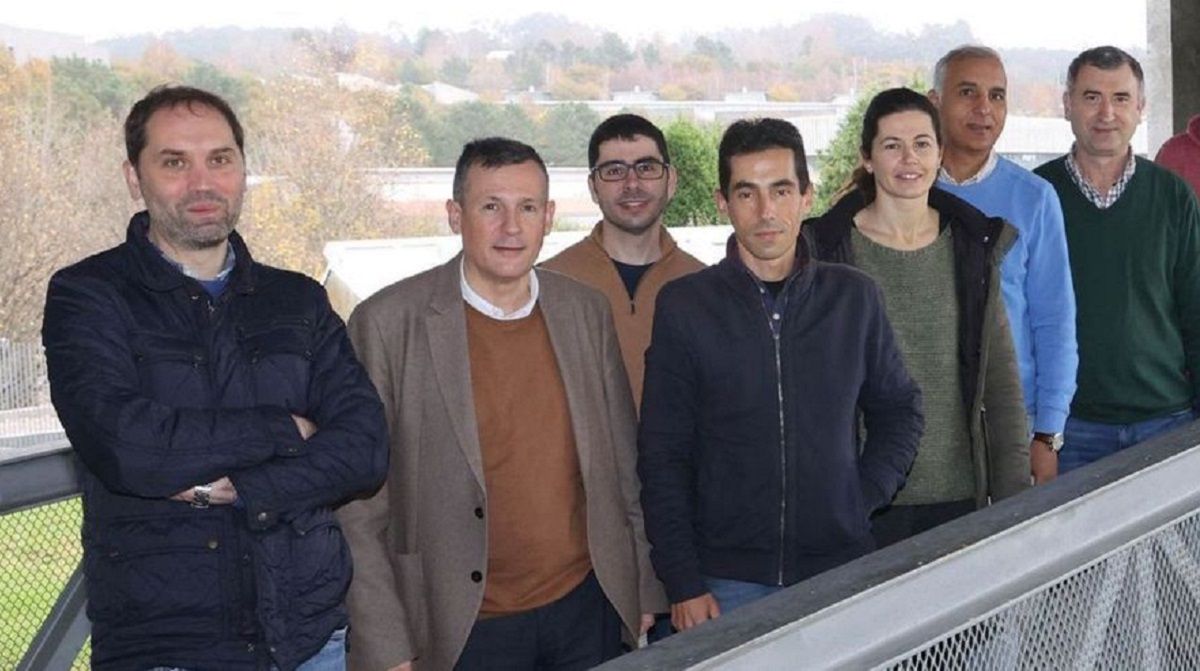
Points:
(312, 147)
(59, 181)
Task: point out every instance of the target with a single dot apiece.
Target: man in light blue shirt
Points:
(970, 91)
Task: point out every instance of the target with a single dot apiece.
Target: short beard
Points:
(173, 225)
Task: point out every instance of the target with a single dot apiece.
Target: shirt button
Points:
(262, 517)
(775, 316)
(213, 544)
(476, 576)
(249, 647)
(479, 513)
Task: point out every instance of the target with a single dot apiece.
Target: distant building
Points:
(530, 95)
(27, 45)
(355, 269)
(746, 96)
(356, 83)
(637, 95)
(448, 94)
(498, 55)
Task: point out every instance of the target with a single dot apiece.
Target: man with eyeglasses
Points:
(628, 256)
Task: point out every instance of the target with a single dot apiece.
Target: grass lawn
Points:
(39, 548)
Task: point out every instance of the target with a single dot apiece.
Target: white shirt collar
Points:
(483, 305)
(988, 166)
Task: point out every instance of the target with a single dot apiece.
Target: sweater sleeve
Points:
(1187, 282)
(1050, 297)
(1006, 440)
(670, 399)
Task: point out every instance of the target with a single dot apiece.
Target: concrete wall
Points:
(1172, 79)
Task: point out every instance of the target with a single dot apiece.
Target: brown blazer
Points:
(420, 542)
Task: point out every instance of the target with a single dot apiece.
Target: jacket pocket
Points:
(739, 501)
(319, 567)
(278, 355)
(834, 513)
(158, 573)
(171, 369)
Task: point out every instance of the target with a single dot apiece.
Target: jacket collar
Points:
(966, 219)
(159, 274)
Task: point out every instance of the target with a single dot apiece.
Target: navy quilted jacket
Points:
(160, 388)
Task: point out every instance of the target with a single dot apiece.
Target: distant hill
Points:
(26, 44)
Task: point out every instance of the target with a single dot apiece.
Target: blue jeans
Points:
(733, 594)
(332, 657)
(1085, 442)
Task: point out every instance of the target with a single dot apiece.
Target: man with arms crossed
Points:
(971, 93)
(629, 255)
(757, 372)
(509, 533)
(1133, 231)
(219, 413)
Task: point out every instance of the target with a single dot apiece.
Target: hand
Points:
(687, 614)
(306, 427)
(407, 666)
(1043, 462)
(647, 622)
(223, 493)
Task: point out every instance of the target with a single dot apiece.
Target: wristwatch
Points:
(1052, 440)
(201, 496)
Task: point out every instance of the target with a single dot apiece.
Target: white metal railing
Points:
(1097, 570)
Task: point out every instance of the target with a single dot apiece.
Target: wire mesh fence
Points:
(1136, 608)
(39, 549)
(26, 416)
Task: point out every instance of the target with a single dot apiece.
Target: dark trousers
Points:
(578, 631)
(896, 523)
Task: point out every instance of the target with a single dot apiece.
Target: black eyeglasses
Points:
(617, 171)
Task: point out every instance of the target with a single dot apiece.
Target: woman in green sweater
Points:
(937, 260)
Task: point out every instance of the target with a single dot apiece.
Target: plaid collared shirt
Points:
(1105, 200)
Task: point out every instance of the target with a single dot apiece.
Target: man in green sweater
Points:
(1133, 232)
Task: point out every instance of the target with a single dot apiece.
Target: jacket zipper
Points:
(775, 335)
(782, 455)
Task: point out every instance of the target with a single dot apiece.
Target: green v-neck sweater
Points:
(1136, 270)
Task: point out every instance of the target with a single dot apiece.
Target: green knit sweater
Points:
(1136, 269)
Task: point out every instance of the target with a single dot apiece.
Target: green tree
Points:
(84, 89)
(464, 122)
(208, 77)
(693, 152)
(714, 49)
(613, 53)
(564, 133)
(841, 157)
(455, 70)
(526, 68)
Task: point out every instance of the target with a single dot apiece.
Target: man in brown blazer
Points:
(509, 532)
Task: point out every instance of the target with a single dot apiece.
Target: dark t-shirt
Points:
(631, 275)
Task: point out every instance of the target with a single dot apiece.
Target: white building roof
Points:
(358, 268)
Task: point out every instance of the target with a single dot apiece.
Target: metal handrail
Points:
(888, 603)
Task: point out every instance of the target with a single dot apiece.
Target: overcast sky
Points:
(1066, 24)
